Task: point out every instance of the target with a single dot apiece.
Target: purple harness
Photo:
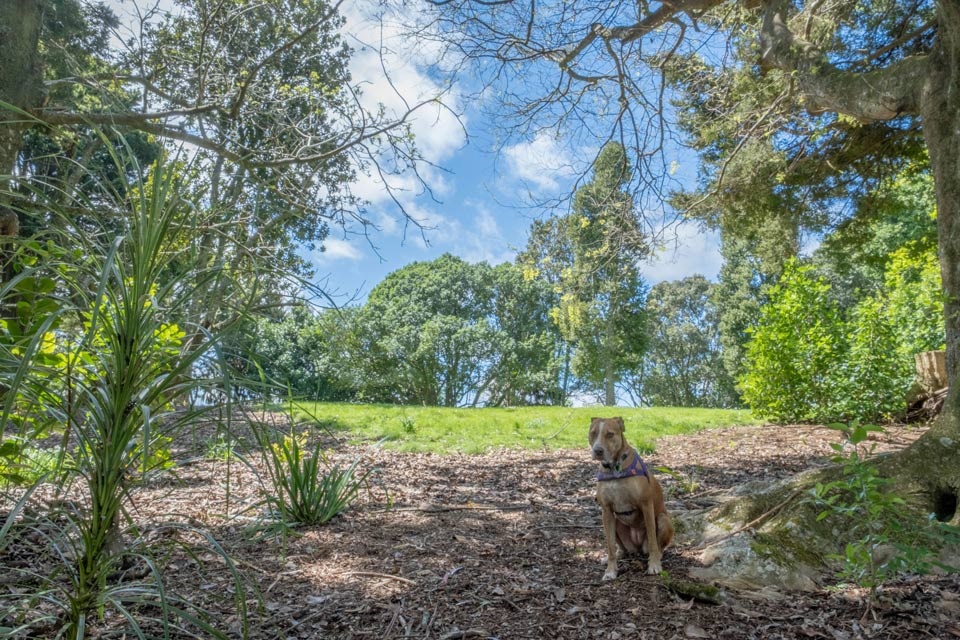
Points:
(636, 468)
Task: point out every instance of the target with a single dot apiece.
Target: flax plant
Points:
(138, 367)
(307, 488)
(122, 376)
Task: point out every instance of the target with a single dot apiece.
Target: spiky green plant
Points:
(108, 363)
(306, 487)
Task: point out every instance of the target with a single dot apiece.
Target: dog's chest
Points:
(624, 497)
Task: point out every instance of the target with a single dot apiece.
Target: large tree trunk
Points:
(20, 86)
(931, 466)
(941, 126)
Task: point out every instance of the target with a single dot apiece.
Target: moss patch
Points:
(785, 545)
(699, 591)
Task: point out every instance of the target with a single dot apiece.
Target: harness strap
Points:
(637, 468)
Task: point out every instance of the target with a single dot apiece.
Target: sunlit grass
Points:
(448, 430)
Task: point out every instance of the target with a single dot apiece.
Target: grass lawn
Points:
(447, 430)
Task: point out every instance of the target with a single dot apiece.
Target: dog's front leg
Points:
(653, 542)
(610, 532)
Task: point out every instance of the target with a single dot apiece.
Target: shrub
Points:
(795, 349)
(111, 378)
(808, 362)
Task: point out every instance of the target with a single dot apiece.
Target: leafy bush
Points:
(913, 294)
(809, 362)
(875, 374)
(794, 352)
(107, 363)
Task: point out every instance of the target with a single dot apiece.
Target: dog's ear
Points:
(619, 422)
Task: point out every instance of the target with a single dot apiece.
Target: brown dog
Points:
(634, 515)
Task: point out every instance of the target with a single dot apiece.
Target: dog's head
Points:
(606, 440)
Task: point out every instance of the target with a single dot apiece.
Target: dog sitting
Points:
(634, 515)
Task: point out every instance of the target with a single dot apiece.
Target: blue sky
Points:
(480, 207)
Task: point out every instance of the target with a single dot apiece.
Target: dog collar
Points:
(636, 468)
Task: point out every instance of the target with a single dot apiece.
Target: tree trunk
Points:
(609, 371)
(20, 86)
(931, 466)
(609, 389)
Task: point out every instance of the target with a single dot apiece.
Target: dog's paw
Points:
(653, 567)
(610, 574)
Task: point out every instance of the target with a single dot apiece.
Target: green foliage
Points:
(307, 489)
(856, 257)
(738, 296)
(874, 374)
(528, 348)
(425, 333)
(880, 539)
(105, 364)
(795, 349)
(24, 465)
(810, 361)
(481, 430)
(683, 366)
(303, 352)
(224, 448)
(913, 296)
(589, 258)
(450, 333)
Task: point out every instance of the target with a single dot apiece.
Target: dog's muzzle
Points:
(600, 456)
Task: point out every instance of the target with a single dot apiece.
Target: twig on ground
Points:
(374, 574)
(465, 507)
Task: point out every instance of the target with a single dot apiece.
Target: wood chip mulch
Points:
(508, 545)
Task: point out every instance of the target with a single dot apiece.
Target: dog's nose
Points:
(597, 452)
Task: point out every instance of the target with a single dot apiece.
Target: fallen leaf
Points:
(693, 631)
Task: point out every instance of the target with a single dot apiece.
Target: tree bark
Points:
(20, 86)
(931, 466)
(609, 373)
(941, 129)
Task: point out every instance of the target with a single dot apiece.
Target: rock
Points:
(735, 563)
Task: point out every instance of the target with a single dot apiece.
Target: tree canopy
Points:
(258, 92)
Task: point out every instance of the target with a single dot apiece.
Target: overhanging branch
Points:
(876, 95)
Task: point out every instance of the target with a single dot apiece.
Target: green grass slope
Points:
(447, 430)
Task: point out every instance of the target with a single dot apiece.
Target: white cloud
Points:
(687, 250)
(393, 72)
(476, 238)
(392, 68)
(541, 162)
(338, 249)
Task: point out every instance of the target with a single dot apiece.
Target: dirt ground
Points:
(506, 545)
